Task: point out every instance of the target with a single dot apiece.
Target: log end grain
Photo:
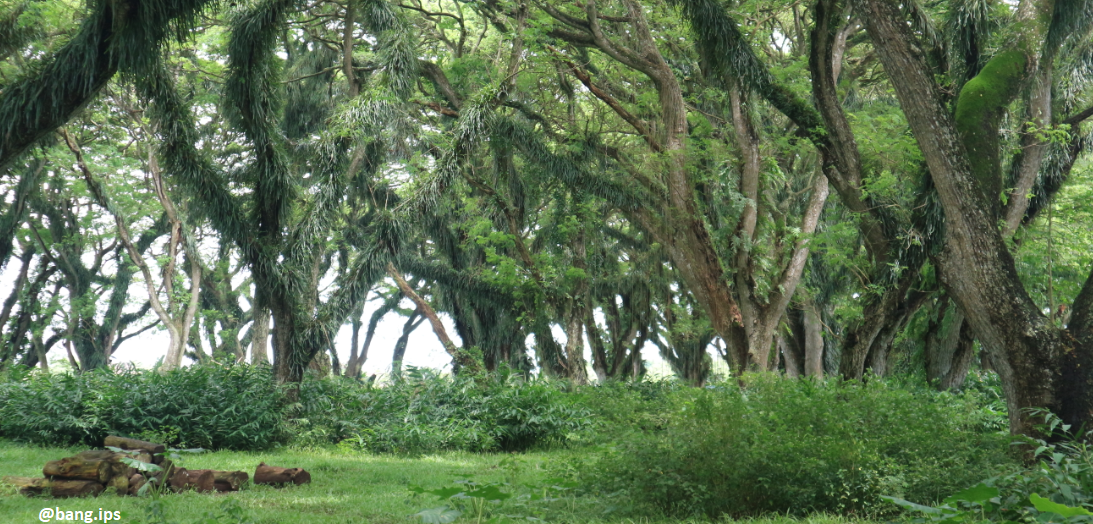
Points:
(136, 482)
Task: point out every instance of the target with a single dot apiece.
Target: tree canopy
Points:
(810, 188)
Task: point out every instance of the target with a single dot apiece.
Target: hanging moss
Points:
(979, 110)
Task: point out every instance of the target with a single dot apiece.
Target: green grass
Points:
(347, 487)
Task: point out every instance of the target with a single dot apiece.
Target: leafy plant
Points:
(1063, 472)
(797, 447)
(233, 407)
(430, 413)
(477, 500)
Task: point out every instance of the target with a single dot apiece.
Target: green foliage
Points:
(621, 407)
(798, 447)
(1063, 472)
(427, 412)
(475, 499)
(238, 407)
(208, 406)
(470, 500)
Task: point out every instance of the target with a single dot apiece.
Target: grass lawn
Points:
(345, 488)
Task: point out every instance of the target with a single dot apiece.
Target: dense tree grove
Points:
(828, 188)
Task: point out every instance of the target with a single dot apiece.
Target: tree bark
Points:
(1027, 162)
(792, 343)
(264, 474)
(948, 348)
(878, 313)
(574, 349)
(814, 343)
(463, 360)
(761, 319)
(975, 265)
(55, 488)
(842, 160)
(356, 359)
(412, 322)
(259, 342)
(20, 281)
(133, 444)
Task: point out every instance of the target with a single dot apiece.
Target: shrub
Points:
(427, 412)
(1057, 488)
(233, 407)
(239, 407)
(621, 407)
(795, 447)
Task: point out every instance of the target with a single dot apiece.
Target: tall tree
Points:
(1040, 364)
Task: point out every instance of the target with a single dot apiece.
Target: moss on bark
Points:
(979, 110)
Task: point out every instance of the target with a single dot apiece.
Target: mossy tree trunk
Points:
(1040, 365)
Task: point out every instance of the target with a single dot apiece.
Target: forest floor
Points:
(346, 488)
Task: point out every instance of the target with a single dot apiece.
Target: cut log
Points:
(225, 480)
(136, 482)
(120, 482)
(274, 475)
(78, 469)
(230, 480)
(97, 454)
(133, 444)
(100, 466)
(201, 480)
(114, 467)
(55, 488)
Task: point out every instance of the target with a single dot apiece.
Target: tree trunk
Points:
(259, 342)
(574, 348)
(599, 352)
(133, 444)
(374, 321)
(201, 480)
(55, 488)
(762, 314)
(879, 313)
(814, 343)
(264, 474)
(948, 348)
(412, 322)
(20, 280)
(792, 344)
(288, 364)
(575, 306)
(463, 361)
(356, 360)
(1037, 367)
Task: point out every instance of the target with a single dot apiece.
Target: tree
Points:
(1040, 364)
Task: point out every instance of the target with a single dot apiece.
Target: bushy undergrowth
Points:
(240, 407)
(776, 445)
(1058, 487)
(235, 407)
(794, 446)
(425, 412)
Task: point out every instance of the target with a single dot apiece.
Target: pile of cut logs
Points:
(92, 472)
